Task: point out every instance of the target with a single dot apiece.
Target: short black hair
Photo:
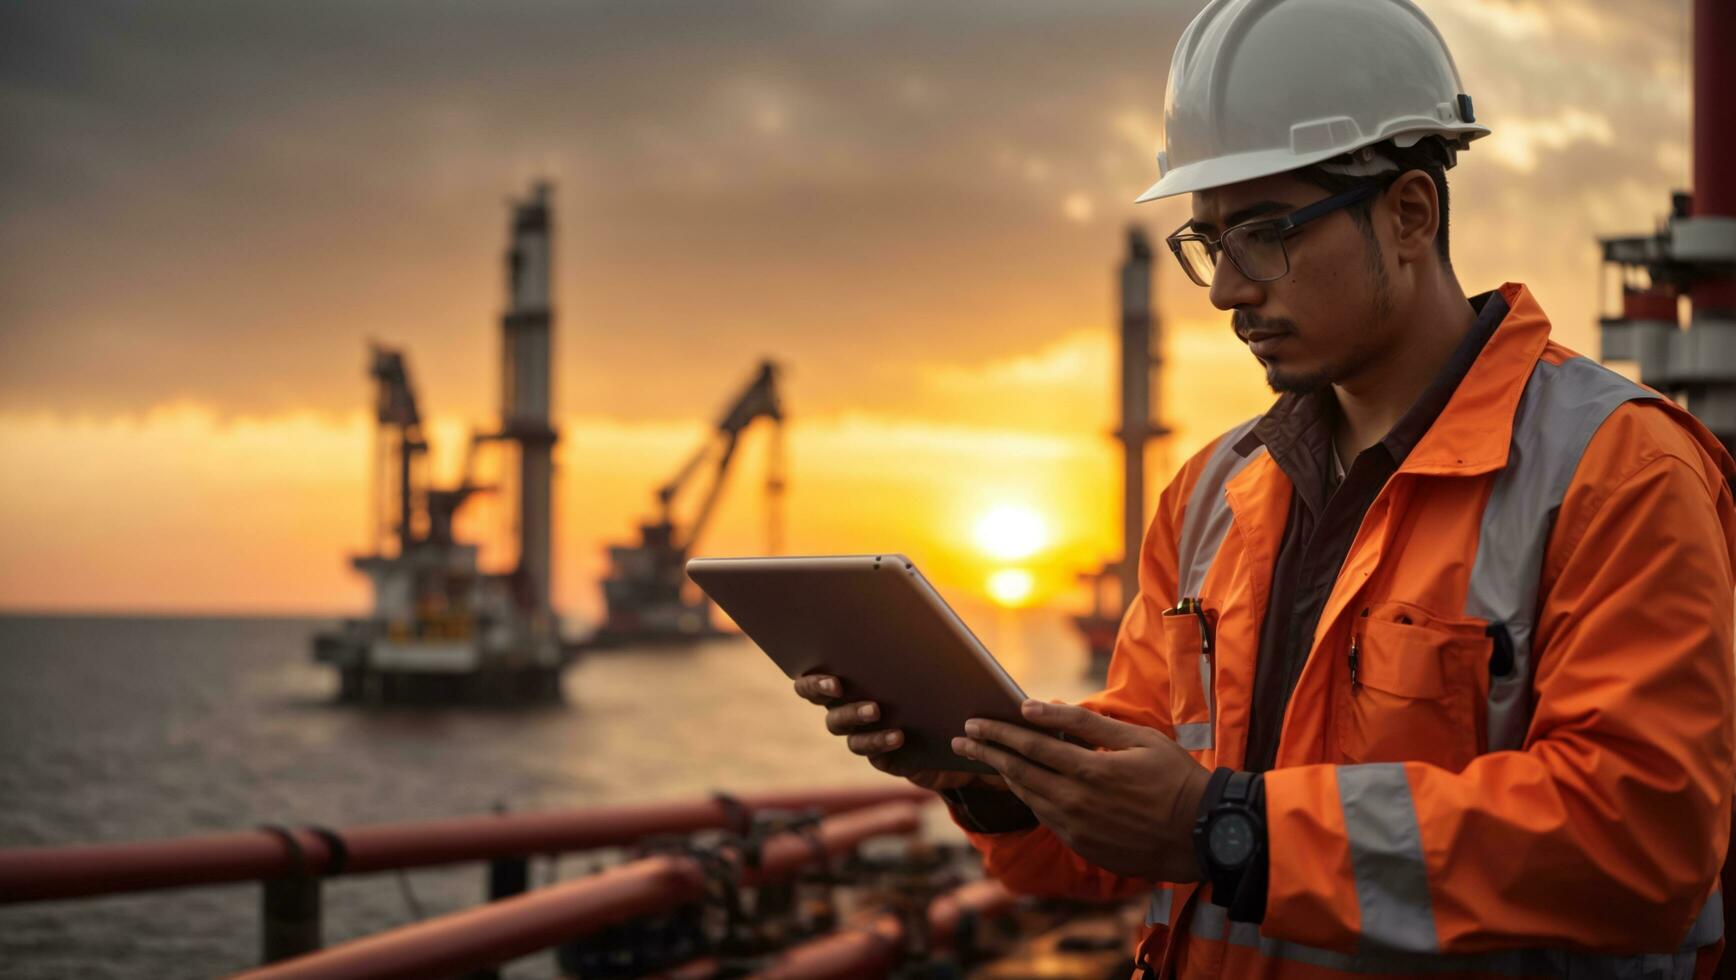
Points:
(1429, 155)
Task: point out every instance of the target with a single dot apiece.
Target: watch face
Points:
(1231, 839)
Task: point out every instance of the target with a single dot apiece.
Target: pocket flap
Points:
(1422, 658)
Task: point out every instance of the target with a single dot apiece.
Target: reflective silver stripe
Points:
(1194, 735)
(1561, 409)
(1208, 514)
(1708, 926)
(1157, 910)
(1202, 531)
(1211, 923)
(1386, 855)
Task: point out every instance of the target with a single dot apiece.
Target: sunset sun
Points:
(1010, 586)
(1011, 533)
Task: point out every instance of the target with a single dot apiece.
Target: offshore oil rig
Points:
(1690, 260)
(441, 629)
(647, 594)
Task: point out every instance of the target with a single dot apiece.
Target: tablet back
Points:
(876, 624)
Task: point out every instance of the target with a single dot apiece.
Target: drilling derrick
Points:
(441, 629)
(1141, 354)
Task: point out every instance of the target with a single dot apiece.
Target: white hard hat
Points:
(1259, 87)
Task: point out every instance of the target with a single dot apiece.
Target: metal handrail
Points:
(868, 948)
(875, 944)
(503, 930)
(29, 874)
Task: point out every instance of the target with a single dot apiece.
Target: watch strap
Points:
(1232, 791)
(1249, 902)
(1209, 799)
(1239, 788)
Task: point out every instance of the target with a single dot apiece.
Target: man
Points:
(1430, 670)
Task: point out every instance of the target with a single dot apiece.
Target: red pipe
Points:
(983, 898)
(1714, 116)
(499, 931)
(39, 873)
(866, 949)
(980, 899)
(1714, 133)
(873, 949)
(701, 969)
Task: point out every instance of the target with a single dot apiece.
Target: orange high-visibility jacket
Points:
(1531, 774)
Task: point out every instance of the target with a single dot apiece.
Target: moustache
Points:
(1245, 323)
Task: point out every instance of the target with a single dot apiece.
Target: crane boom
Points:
(758, 399)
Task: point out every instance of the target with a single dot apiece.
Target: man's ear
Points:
(1415, 215)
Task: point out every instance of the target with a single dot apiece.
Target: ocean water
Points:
(116, 729)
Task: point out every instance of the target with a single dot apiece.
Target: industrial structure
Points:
(647, 594)
(1691, 259)
(799, 885)
(1141, 355)
(441, 629)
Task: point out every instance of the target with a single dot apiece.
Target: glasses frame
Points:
(1285, 226)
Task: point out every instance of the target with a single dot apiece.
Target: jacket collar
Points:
(1473, 433)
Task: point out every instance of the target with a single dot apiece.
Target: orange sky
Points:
(918, 208)
(181, 508)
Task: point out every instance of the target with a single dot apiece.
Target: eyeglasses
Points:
(1255, 247)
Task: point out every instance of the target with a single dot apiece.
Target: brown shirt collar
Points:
(1297, 429)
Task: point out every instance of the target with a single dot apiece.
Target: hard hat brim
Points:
(1225, 170)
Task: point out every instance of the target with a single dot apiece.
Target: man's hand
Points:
(856, 720)
(1128, 809)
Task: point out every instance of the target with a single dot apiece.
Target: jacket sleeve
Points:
(1606, 831)
(1034, 861)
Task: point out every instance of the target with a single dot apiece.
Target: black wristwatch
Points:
(1230, 831)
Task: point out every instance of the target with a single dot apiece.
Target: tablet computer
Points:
(877, 625)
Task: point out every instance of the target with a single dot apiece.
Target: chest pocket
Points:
(1188, 636)
(1414, 688)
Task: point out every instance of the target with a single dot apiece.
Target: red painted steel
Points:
(870, 948)
(984, 898)
(701, 969)
(1714, 104)
(499, 931)
(1656, 303)
(39, 873)
(1715, 133)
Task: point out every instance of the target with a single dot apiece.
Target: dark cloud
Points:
(218, 201)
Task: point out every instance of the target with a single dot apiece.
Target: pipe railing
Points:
(499, 931)
(31, 874)
(868, 948)
(874, 944)
(952, 916)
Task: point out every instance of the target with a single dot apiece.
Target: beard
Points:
(1349, 364)
(1299, 382)
(1277, 378)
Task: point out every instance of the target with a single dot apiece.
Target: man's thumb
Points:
(1083, 723)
